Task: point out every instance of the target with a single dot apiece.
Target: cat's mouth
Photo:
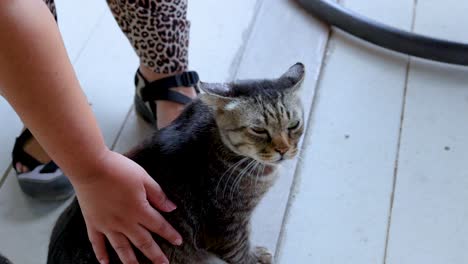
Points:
(284, 157)
(276, 161)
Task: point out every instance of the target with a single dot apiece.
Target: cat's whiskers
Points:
(232, 168)
(257, 177)
(249, 172)
(254, 178)
(227, 183)
(259, 172)
(238, 179)
(235, 180)
(232, 174)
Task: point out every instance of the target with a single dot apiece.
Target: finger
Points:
(157, 197)
(123, 248)
(157, 224)
(143, 240)
(99, 246)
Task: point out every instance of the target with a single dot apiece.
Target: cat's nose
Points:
(282, 150)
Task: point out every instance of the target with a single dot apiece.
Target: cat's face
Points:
(260, 119)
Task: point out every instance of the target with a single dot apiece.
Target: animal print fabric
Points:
(51, 5)
(157, 29)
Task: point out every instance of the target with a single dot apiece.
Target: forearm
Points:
(37, 79)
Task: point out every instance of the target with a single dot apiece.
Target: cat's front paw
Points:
(263, 256)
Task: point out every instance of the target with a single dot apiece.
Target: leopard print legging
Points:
(157, 29)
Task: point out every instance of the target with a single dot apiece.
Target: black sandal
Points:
(43, 181)
(148, 92)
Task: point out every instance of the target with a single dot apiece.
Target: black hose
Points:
(386, 36)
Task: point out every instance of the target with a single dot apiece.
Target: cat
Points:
(215, 161)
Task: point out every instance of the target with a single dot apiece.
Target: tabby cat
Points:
(215, 162)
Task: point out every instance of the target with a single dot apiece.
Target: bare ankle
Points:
(150, 75)
(167, 111)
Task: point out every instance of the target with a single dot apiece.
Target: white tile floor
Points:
(382, 177)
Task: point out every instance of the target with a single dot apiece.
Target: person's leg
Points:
(159, 33)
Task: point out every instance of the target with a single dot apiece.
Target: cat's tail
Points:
(4, 260)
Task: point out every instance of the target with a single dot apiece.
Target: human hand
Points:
(117, 204)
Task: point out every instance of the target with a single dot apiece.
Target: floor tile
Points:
(218, 34)
(340, 205)
(25, 224)
(429, 221)
(77, 20)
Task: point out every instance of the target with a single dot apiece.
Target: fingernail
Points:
(178, 241)
(171, 206)
(102, 261)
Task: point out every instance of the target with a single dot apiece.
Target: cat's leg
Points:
(263, 255)
(235, 247)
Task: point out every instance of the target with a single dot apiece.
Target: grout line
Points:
(5, 175)
(397, 157)
(238, 60)
(119, 133)
(90, 35)
(395, 170)
(298, 167)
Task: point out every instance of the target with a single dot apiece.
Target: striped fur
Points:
(215, 167)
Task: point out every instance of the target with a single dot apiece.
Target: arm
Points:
(37, 79)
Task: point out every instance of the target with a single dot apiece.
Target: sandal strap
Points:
(159, 89)
(50, 167)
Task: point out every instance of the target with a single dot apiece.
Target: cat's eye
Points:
(258, 130)
(294, 125)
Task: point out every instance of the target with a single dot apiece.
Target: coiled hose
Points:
(386, 36)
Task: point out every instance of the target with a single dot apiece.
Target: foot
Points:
(167, 111)
(38, 176)
(33, 148)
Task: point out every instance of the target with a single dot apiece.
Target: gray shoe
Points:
(44, 182)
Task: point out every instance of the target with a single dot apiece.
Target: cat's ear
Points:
(216, 96)
(294, 77)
